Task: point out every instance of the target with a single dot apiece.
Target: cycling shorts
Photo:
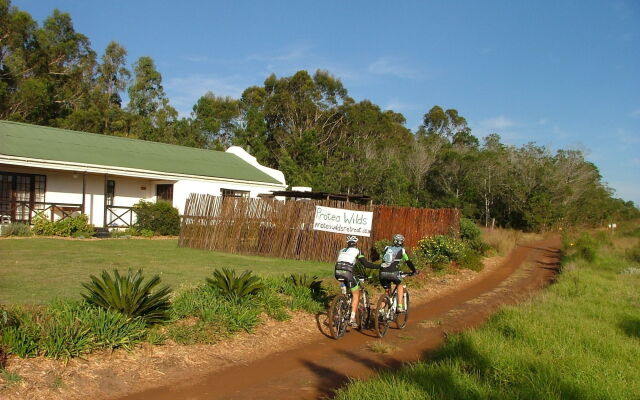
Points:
(387, 278)
(347, 278)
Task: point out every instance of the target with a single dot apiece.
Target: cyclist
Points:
(392, 256)
(347, 260)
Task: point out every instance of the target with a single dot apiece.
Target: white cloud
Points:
(635, 113)
(497, 123)
(393, 67)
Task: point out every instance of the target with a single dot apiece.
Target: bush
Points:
(471, 260)
(440, 250)
(129, 295)
(160, 218)
(633, 253)
(17, 229)
(231, 286)
(471, 234)
(65, 336)
(111, 329)
(586, 247)
(77, 226)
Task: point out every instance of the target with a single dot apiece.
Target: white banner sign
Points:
(337, 220)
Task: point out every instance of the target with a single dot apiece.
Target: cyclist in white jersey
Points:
(347, 259)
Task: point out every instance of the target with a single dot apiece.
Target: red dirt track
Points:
(316, 370)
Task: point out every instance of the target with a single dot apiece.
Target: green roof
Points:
(41, 142)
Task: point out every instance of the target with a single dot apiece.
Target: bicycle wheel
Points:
(402, 318)
(383, 310)
(363, 315)
(338, 315)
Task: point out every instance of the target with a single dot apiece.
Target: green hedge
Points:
(160, 218)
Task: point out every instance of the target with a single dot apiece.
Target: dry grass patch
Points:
(381, 347)
(505, 240)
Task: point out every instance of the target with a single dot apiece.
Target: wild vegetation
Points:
(123, 310)
(575, 340)
(306, 125)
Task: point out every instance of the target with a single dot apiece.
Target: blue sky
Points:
(560, 73)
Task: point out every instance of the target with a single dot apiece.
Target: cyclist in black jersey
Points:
(347, 260)
(392, 256)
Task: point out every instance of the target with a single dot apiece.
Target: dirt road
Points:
(314, 371)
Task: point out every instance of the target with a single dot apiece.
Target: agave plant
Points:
(129, 295)
(307, 281)
(232, 286)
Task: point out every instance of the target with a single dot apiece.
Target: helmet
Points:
(398, 239)
(352, 240)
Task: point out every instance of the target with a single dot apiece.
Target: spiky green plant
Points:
(129, 295)
(306, 281)
(235, 287)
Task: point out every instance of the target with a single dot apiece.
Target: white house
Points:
(59, 172)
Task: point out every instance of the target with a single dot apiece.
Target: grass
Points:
(10, 377)
(381, 347)
(37, 270)
(505, 240)
(579, 339)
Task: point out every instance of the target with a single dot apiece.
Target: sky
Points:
(563, 74)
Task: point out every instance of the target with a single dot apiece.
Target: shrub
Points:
(586, 247)
(112, 329)
(633, 253)
(161, 218)
(77, 226)
(229, 285)
(471, 234)
(17, 229)
(129, 295)
(307, 281)
(65, 336)
(21, 332)
(440, 250)
(20, 342)
(471, 260)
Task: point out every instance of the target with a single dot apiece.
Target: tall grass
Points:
(580, 339)
(505, 240)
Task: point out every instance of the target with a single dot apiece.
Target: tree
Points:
(217, 117)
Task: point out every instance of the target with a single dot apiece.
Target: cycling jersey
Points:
(392, 256)
(347, 258)
(390, 268)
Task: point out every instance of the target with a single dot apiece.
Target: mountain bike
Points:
(387, 309)
(340, 311)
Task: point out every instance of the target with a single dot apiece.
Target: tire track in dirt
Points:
(316, 370)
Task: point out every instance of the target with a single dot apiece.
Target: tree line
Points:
(305, 125)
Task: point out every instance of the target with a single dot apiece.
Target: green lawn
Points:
(579, 339)
(37, 270)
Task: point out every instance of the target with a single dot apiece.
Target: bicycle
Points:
(387, 309)
(340, 311)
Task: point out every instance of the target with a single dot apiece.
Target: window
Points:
(234, 193)
(19, 195)
(164, 192)
(110, 192)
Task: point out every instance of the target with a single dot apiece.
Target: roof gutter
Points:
(122, 171)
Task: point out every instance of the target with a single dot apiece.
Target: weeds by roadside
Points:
(578, 339)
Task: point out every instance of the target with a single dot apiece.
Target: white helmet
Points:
(353, 240)
(398, 239)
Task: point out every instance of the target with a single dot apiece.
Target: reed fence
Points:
(274, 228)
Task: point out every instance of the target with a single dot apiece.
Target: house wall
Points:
(63, 187)
(183, 188)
